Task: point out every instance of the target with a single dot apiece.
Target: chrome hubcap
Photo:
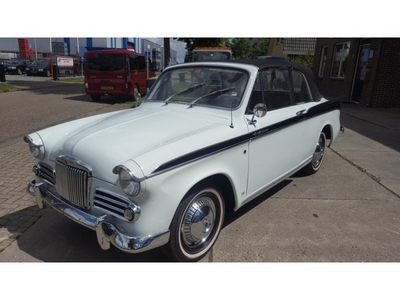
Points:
(318, 153)
(198, 222)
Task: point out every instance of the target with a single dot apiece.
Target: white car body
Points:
(168, 149)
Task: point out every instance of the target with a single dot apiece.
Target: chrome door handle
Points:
(300, 112)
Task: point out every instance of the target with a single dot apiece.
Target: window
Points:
(214, 87)
(276, 86)
(341, 53)
(301, 90)
(105, 62)
(137, 63)
(322, 62)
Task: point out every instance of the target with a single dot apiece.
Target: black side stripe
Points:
(213, 149)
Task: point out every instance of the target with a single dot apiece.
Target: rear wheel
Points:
(196, 224)
(318, 156)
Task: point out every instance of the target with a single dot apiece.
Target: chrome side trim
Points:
(107, 232)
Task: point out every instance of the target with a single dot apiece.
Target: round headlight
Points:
(36, 145)
(128, 183)
(35, 150)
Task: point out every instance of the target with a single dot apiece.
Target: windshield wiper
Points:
(184, 91)
(210, 94)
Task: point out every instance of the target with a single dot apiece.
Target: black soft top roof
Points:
(284, 64)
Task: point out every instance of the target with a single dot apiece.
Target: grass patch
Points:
(5, 87)
(133, 103)
(73, 79)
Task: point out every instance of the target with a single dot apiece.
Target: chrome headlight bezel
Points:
(129, 183)
(36, 145)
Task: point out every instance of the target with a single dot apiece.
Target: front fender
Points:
(166, 190)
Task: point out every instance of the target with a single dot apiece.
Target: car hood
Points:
(128, 135)
(34, 66)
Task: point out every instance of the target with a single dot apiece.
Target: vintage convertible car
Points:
(208, 138)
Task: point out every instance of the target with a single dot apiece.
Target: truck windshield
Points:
(105, 62)
(204, 86)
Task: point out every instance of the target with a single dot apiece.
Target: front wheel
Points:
(196, 225)
(318, 156)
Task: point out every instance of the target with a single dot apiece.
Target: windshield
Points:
(105, 62)
(13, 62)
(40, 62)
(211, 55)
(218, 87)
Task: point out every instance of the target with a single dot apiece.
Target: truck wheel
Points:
(196, 225)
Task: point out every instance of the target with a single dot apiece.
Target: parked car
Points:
(208, 138)
(40, 66)
(16, 65)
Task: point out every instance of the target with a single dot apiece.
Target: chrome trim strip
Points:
(102, 196)
(107, 232)
(75, 163)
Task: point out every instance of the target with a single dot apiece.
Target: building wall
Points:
(386, 91)
(275, 47)
(335, 87)
(41, 46)
(381, 86)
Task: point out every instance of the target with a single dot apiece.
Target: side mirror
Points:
(259, 111)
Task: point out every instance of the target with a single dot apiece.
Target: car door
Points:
(275, 147)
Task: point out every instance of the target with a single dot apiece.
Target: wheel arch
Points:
(328, 133)
(223, 184)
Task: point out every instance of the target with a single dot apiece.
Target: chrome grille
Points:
(111, 202)
(46, 173)
(73, 180)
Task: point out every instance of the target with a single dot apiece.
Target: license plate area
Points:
(107, 88)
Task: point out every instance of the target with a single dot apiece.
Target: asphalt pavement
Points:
(349, 211)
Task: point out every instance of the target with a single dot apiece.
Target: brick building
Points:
(291, 46)
(364, 71)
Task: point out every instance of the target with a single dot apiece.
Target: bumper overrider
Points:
(106, 231)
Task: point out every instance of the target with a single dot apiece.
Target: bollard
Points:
(55, 72)
(2, 73)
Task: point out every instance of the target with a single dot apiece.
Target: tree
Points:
(305, 60)
(261, 47)
(249, 47)
(242, 48)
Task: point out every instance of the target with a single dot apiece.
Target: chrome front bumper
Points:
(106, 231)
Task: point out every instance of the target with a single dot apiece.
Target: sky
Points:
(206, 18)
